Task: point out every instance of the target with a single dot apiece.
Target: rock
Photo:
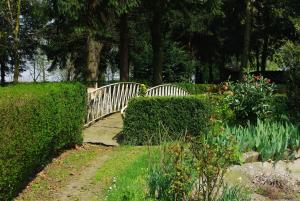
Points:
(250, 157)
(257, 197)
(279, 180)
(297, 155)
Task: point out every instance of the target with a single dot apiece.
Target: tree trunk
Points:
(16, 37)
(157, 44)
(44, 73)
(2, 71)
(222, 67)
(245, 54)
(264, 55)
(124, 42)
(198, 76)
(34, 72)
(93, 60)
(210, 73)
(257, 59)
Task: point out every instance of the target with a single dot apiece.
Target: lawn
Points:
(99, 173)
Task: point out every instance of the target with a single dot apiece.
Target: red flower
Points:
(257, 77)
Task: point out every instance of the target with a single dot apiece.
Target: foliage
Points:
(36, 122)
(196, 88)
(143, 90)
(145, 115)
(252, 98)
(171, 173)
(221, 109)
(191, 168)
(234, 193)
(214, 153)
(271, 139)
(179, 66)
(288, 57)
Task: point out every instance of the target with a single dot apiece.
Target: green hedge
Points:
(146, 116)
(198, 88)
(36, 121)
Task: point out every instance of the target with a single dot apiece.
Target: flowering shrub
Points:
(251, 98)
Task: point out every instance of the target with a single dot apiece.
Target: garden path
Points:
(104, 132)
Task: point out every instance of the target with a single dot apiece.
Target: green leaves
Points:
(271, 139)
(252, 97)
(123, 6)
(71, 8)
(37, 120)
(145, 117)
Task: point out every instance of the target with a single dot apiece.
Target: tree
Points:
(124, 45)
(21, 23)
(247, 32)
(11, 14)
(83, 24)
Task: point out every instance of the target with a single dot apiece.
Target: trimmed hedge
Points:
(37, 120)
(147, 116)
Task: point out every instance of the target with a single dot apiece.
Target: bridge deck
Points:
(104, 131)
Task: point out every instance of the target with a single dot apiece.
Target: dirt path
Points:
(83, 187)
(69, 177)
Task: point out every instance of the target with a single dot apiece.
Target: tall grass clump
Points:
(234, 193)
(273, 140)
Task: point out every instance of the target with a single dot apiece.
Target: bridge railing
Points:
(166, 90)
(162, 90)
(114, 98)
(109, 99)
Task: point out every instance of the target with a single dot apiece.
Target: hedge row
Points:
(36, 121)
(147, 117)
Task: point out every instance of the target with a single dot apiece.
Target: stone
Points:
(250, 157)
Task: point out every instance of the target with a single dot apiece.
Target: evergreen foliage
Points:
(146, 116)
(36, 122)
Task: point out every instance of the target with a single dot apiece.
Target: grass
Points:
(56, 174)
(121, 177)
(124, 176)
(234, 193)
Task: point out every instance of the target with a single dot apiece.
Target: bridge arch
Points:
(114, 98)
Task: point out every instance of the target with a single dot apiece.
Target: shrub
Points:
(145, 115)
(280, 109)
(271, 139)
(36, 121)
(198, 88)
(171, 172)
(192, 168)
(288, 57)
(252, 98)
(214, 153)
(220, 107)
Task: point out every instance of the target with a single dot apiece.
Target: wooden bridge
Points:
(104, 104)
